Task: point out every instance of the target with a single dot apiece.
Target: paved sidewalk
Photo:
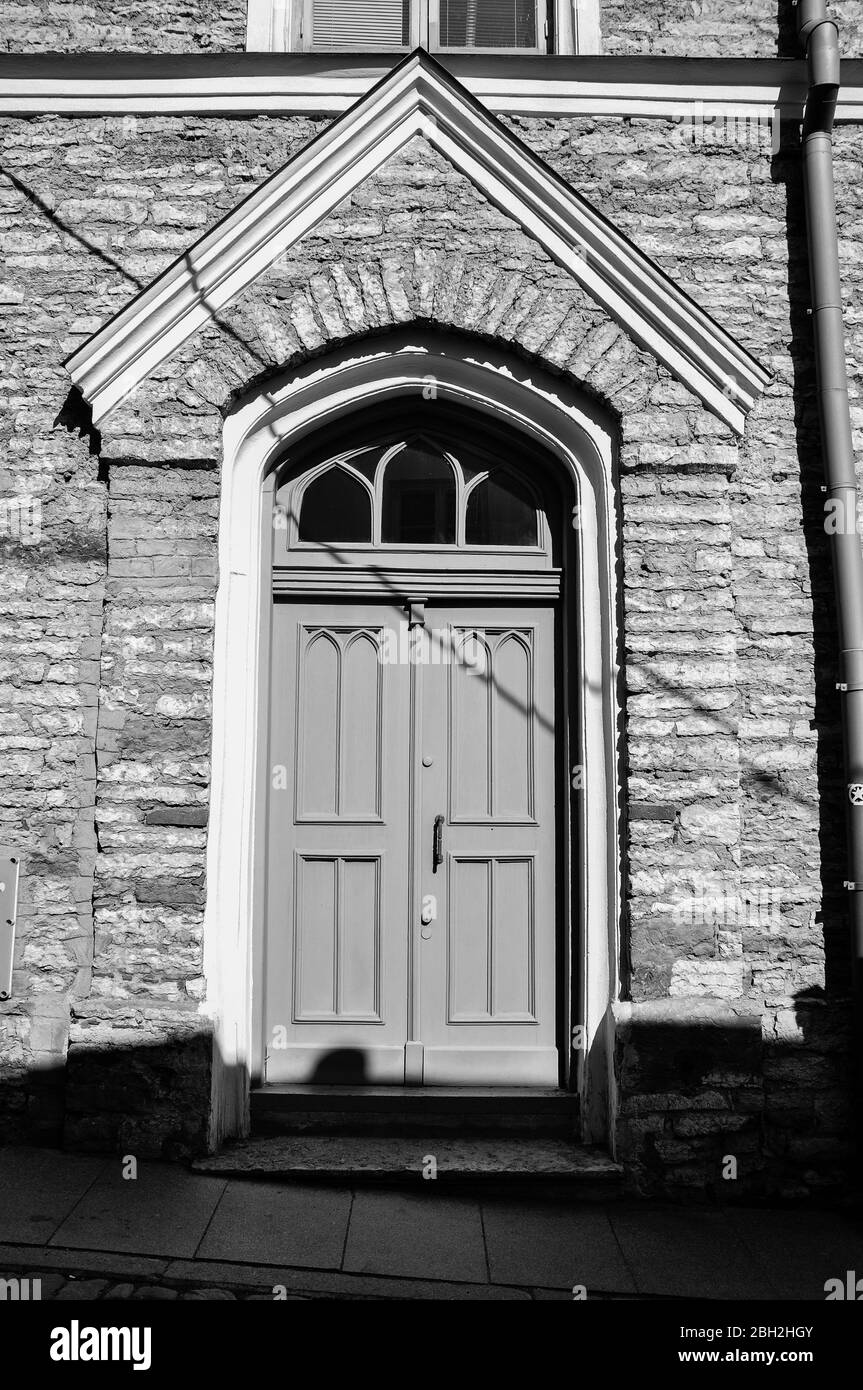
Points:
(88, 1232)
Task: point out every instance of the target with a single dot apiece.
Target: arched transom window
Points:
(415, 493)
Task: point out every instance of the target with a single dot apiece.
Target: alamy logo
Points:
(437, 646)
(731, 126)
(849, 1289)
(716, 904)
(77, 1343)
(20, 1290)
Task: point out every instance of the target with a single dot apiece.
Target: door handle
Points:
(437, 843)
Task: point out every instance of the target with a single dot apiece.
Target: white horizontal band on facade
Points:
(292, 89)
(514, 102)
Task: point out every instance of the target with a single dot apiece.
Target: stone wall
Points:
(734, 935)
(124, 26)
(718, 28)
(84, 223)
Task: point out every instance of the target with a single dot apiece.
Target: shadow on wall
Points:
(787, 44)
(711, 1108)
(151, 1099)
(786, 169)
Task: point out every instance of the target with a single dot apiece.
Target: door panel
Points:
(337, 936)
(487, 961)
(491, 946)
(338, 913)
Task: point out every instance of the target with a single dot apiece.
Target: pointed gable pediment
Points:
(419, 98)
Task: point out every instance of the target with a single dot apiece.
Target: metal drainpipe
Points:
(820, 40)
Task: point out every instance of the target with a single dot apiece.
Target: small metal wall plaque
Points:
(9, 867)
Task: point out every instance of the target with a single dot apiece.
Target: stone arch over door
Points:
(580, 435)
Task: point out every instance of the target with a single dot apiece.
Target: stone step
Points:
(409, 1110)
(554, 1165)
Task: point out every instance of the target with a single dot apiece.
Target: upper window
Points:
(415, 492)
(489, 26)
(441, 26)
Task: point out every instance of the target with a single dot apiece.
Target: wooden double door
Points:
(411, 845)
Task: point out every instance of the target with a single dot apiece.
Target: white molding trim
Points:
(268, 26)
(431, 583)
(284, 84)
(330, 91)
(419, 98)
(575, 431)
(586, 27)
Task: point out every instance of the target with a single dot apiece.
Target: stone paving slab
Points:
(424, 1237)
(424, 1244)
(95, 1261)
(206, 1280)
(553, 1247)
(798, 1251)
(39, 1188)
(164, 1211)
(687, 1254)
(266, 1223)
(319, 1282)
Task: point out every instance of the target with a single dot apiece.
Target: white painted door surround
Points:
(572, 429)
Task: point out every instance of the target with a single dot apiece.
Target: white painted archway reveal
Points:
(571, 428)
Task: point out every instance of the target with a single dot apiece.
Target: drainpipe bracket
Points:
(850, 669)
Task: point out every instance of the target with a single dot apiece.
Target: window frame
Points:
(280, 26)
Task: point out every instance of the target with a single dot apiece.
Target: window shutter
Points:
(347, 25)
(488, 24)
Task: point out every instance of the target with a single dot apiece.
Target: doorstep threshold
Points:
(426, 1098)
(407, 1159)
